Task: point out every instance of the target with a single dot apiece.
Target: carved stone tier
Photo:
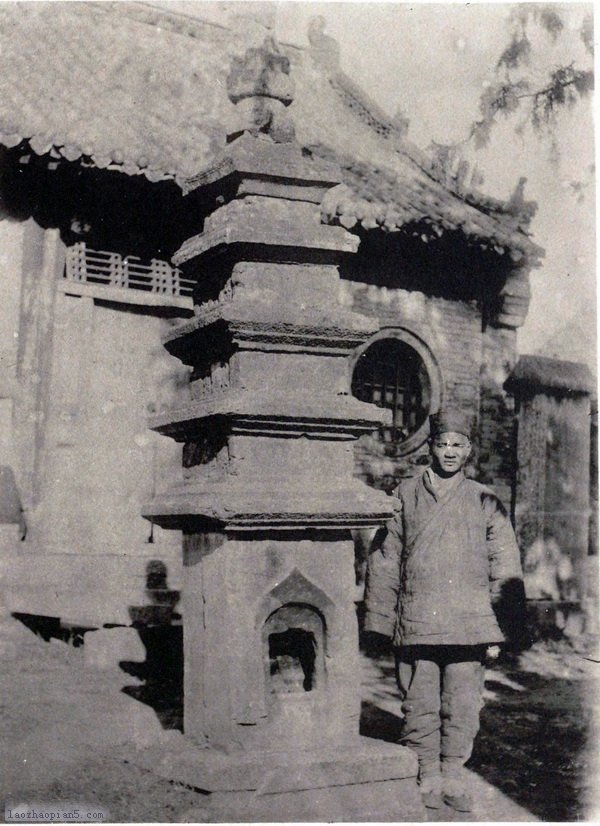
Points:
(252, 326)
(267, 200)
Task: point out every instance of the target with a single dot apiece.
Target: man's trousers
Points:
(441, 687)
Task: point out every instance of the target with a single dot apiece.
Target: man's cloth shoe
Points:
(432, 799)
(459, 802)
(431, 792)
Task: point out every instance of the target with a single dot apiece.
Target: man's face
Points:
(450, 451)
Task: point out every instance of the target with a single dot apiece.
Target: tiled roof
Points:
(83, 79)
(126, 86)
(538, 373)
(380, 197)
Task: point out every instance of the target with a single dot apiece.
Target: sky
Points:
(432, 61)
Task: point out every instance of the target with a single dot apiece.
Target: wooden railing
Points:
(130, 272)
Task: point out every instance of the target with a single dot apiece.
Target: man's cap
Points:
(450, 421)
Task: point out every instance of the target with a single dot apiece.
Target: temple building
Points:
(301, 313)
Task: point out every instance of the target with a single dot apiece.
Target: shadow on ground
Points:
(380, 724)
(161, 674)
(533, 742)
(535, 727)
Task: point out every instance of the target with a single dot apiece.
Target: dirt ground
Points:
(67, 731)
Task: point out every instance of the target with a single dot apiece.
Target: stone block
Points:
(359, 802)
(272, 586)
(307, 285)
(365, 780)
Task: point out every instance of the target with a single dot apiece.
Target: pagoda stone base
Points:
(367, 781)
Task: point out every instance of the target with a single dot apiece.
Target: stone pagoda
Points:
(268, 497)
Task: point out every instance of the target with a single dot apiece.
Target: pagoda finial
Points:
(260, 86)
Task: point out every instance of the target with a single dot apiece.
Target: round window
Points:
(392, 374)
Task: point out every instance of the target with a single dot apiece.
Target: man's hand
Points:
(492, 653)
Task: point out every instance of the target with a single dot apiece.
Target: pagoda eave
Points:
(342, 417)
(277, 244)
(244, 510)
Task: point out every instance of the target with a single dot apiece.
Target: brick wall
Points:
(497, 431)
(451, 330)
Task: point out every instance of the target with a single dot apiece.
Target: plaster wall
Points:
(88, 551)
(103, 460)
(11, 259)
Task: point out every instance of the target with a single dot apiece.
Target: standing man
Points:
(448, 565)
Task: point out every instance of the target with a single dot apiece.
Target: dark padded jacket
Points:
(446, 562)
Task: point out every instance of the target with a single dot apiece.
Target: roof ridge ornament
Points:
(447, 165)
(325, 53)
(518, 206)
(260, 87)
